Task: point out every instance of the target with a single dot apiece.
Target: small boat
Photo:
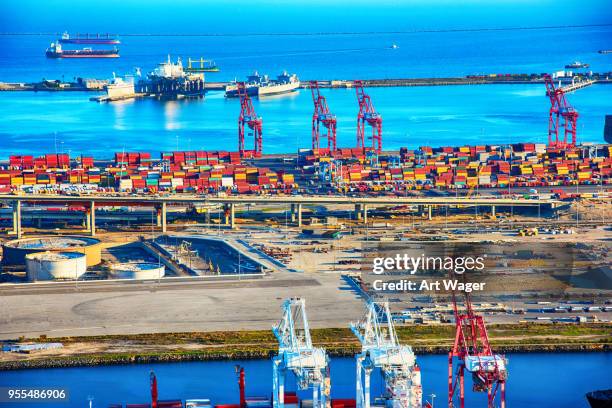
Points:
(605, 51)
(577, 64)
(394, 46)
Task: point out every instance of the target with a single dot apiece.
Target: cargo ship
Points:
(170, 80)
(600, 398)
(605, 51)
(56, 51)
(88, 39)
(577, 64)
(120, 88)
(262, 85)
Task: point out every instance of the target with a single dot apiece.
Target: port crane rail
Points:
(367, 114)
(380, 349)
(560, 108)
(473, 353)
(309, 365)
(248, 117)
(322, 116)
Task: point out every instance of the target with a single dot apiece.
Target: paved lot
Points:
(204, 307)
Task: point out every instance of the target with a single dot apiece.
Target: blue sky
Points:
(235, 16)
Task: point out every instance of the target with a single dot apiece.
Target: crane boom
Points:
(296, 354)
(380, 349)
(367, 114)
(322, 116)
(560, 108)
(248, 117)
(472, 351)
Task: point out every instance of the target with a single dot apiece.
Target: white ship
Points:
(171, 70)
(119, 88)
(261, 85)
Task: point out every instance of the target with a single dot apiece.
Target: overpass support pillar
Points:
(365, 213)
(17, 219)
(293, 211)
(158, 216)
(164, 217)
(493, 211)
(92, 218)
(87, 220)
(429, 210)
(299, 215)
(358, 212)
(230, 215)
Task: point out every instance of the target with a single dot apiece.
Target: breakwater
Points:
(491, 79)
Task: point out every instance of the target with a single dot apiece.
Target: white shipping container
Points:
(227, 181)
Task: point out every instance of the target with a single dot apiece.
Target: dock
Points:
(106, 98)
(577, 85)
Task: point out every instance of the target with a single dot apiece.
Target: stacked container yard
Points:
(525, 164)
(446, 167)
(198, 171)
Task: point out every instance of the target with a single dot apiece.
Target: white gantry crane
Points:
(297, 355)
(381, 349)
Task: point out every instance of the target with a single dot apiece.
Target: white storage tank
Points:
(55, 265)
(138, 270)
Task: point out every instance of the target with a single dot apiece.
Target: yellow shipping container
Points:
(582, 175)
(17, 181)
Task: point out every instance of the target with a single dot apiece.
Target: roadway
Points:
(307, 200)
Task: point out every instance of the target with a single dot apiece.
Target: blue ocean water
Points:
(38, 123)
(347, 56)
(337, 40)
(535, 380)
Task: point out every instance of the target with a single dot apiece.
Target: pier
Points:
(577, 85)
(492, 79)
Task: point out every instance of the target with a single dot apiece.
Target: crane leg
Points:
(461, 388)
(368, 371)
(450, 380)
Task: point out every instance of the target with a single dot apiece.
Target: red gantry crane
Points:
(323, 116)
(472, 352)
(249, 118)
(560, 108)
(153, 381)
(367, 114)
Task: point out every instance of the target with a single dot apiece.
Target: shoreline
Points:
(262, 354)
(261, 344)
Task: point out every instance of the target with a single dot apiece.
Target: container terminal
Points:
(325, 168)
(310, 212)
